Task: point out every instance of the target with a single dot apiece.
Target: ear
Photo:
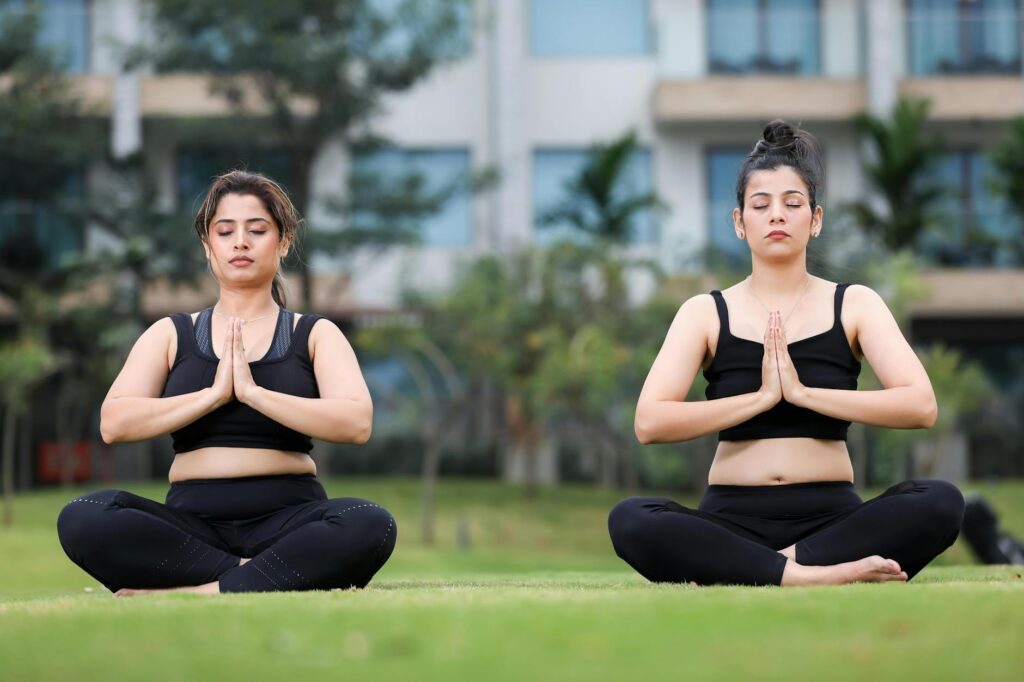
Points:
(284, 246)
(206, 248)
(816, 219)
(737, 223)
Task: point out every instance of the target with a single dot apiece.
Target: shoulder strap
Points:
(204, 338)
(302, 330)
(723, 313)
(183, 328)
(840, 291)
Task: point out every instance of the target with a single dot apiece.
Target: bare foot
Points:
(869, 569)
(208, 588)
(243, 560)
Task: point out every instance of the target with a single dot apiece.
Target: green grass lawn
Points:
(537, 594)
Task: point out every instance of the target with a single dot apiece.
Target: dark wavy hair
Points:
(274, 199)
(783, 145)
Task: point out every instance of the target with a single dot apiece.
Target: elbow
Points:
(643, 428)
(108, 426)
(929, 414)
(364, 428)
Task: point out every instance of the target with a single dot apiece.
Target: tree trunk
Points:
(7, 465)
(24, 451)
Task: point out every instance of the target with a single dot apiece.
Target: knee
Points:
(374, 523)
(945, 505)
(627, 520)
(80, 519)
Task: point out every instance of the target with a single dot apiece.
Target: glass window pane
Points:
(792, 37)
(440, 169)
(554, 169)
(933, 27)
(732, 35)
(561, 28)
(723, 168)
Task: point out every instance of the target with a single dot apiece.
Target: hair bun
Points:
(778, 134)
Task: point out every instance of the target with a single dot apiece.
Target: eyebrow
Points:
(250, 220)
(767, 194)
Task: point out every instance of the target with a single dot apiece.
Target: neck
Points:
(246, 304)
(778, 282)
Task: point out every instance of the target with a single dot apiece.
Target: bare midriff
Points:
(238, 462)
(778, 461)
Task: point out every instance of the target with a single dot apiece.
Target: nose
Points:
(241, 241)
(778, 215)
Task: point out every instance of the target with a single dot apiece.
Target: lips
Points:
(778, 233)
(238, 260)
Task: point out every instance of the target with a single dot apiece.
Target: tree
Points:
(303, 73)
(902, 156)
(22, 365)
(596, 202)
(45, 141)
(1008, 159)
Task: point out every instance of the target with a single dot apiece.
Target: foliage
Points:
(22, 364)
(1008, 159)
(595, 202)
(897, 174)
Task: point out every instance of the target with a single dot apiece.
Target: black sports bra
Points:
(823, 361)
(286, 368)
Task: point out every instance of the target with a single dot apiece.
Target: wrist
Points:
(800, 397)
(250, 396)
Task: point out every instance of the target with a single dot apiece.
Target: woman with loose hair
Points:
(781, 351)
(244, 512)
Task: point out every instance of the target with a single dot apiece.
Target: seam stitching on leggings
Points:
(193, 551)
(358, 506)
(265, 575)
(287, 566)
(283, 573)
(180, 547)
(82, 499)
(201, 557)
(387, 534)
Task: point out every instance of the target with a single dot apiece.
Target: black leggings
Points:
(734, 535)
(297, 538)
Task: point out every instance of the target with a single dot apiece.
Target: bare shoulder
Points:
(325, 334)
(861, 299)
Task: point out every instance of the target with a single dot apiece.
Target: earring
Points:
(742, 234)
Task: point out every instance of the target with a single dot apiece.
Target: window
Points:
(589, 28)
(723, 169)
(198, 167)
(963, 36)
(763, 36)
(42, 235)
(405, 14)
(977, 226)
(553, 168)
(441, 170)
(63, 28)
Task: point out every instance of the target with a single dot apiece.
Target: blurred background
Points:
(506, 201)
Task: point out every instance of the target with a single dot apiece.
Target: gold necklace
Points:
(226, 317)
(750, 285)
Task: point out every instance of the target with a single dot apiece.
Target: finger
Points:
(227, 342)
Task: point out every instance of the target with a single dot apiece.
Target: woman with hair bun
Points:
(245, 512)
(781, 351)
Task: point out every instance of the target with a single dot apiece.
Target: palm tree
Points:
(903, 157)
(596, 202)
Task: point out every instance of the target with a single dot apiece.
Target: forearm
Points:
(338, 420)
(128, 418)
(669, 421)
(899, 407)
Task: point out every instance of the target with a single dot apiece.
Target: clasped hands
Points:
(778, 375)
(233, 379)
